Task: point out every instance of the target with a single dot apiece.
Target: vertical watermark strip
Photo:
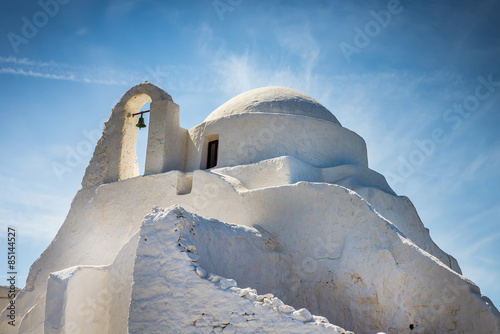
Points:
(11, 274)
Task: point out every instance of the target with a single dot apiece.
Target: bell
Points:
(141, 123)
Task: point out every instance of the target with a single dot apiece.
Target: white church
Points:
(265, 218)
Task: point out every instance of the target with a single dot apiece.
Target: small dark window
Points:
(213, 146)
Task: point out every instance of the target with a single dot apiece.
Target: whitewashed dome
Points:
(273, 100)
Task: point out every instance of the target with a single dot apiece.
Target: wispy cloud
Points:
(30, 73)
(357, 99)
(300, 42)
(37, 213)
(471, 171)
(25, 61)
(82, 31)
(116, 7)
(483, 242)
(60, 71)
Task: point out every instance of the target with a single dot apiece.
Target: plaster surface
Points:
(290, 209)
(279, 100)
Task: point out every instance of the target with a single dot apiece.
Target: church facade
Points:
(263, 218)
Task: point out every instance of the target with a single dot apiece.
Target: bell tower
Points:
(114, 158)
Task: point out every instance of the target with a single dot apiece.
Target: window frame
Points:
(212, 147)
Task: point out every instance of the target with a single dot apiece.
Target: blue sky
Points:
(407, 76)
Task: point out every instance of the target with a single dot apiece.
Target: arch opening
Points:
(130, 155)
(115, 158)
(142, 141)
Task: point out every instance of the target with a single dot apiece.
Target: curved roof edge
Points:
(273, 100)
